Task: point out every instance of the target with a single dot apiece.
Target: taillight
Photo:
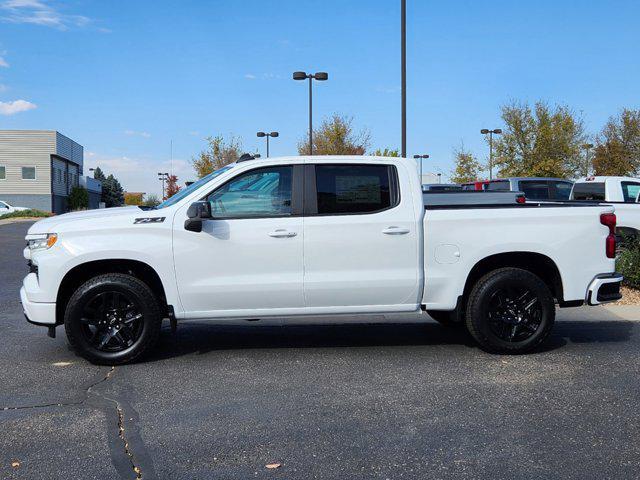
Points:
(609, 220)
(521, 199)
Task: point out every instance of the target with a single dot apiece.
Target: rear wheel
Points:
(113, 319)
(510, 310)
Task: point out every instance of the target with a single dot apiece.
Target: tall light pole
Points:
(403, 74)
(267, 134)
(421, 157)
(497, 131)
(587, 147)
(163, 177)
(320, 76)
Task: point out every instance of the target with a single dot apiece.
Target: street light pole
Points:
(497, 131)
(320, 76)
(403, 73)
(163, 176)
(421, 157)
(586, 147)
(267, 134)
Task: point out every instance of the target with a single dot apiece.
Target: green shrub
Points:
(78, 198)
(628, 262)
(26, 214)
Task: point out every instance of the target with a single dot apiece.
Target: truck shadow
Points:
(202, 337)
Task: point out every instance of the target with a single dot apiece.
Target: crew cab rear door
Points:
(360, 239)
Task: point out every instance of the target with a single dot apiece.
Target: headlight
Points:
(42, 242)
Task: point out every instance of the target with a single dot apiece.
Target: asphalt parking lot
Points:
(408, 399)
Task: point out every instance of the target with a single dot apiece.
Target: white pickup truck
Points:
(623, 192)
(308, 236)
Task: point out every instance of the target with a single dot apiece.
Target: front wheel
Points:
(510, 310)
(112, 319)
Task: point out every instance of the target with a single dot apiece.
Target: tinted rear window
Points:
(588, 191)
(500, 185)
(561, 190)
(353, 188)
(535, 189)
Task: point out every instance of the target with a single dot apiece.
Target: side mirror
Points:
(201, 210)
(197, 212)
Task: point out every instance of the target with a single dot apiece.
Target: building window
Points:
(3, 172)
(28, 173)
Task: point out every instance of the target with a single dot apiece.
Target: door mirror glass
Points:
(199, 210)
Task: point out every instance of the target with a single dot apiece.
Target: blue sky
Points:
(124, 78)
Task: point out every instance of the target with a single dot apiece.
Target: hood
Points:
(58, 223)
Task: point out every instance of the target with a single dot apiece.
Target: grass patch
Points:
(31, 213)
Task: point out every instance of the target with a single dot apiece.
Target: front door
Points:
(247, 261)
(360, 240)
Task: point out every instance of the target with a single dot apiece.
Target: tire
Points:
(113, 319)
(510, 310)
(447, 319)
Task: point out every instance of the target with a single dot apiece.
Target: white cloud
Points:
(10, 108)
(134, 133)
(3, 88)
(250, 76)
(194, 133)
(3, 63)
(40, 12)
(139, 174)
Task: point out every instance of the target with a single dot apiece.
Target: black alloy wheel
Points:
(111, 321)
(113, 318)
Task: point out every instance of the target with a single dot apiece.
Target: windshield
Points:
(193, 187)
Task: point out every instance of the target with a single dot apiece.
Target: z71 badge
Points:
(149, 220)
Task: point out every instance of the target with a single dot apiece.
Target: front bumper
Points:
(604, 288)
(43, 314)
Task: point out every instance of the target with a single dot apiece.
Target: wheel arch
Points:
(536, 263)
(84, 271)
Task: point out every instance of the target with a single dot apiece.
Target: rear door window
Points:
(535, 189)
(588, 191)
(630, 191)
(353, 189)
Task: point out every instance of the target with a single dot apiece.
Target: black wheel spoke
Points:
(111, 321)
(514, 313)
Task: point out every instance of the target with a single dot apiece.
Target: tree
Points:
(172, 186)
(98, 175)
(617, 149)
(151, 201)
(218, 154)
(386, 153)
(336, 137)
(112, 192)
(468, 168)
(78, 198)
(133, 198)
(539, 142)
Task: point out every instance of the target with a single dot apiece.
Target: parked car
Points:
(623, 192)
(7, 208)
(441, 187)
(534, 188)
(335, 235)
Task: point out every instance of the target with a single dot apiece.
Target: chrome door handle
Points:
(395, 231)
(282, 233)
